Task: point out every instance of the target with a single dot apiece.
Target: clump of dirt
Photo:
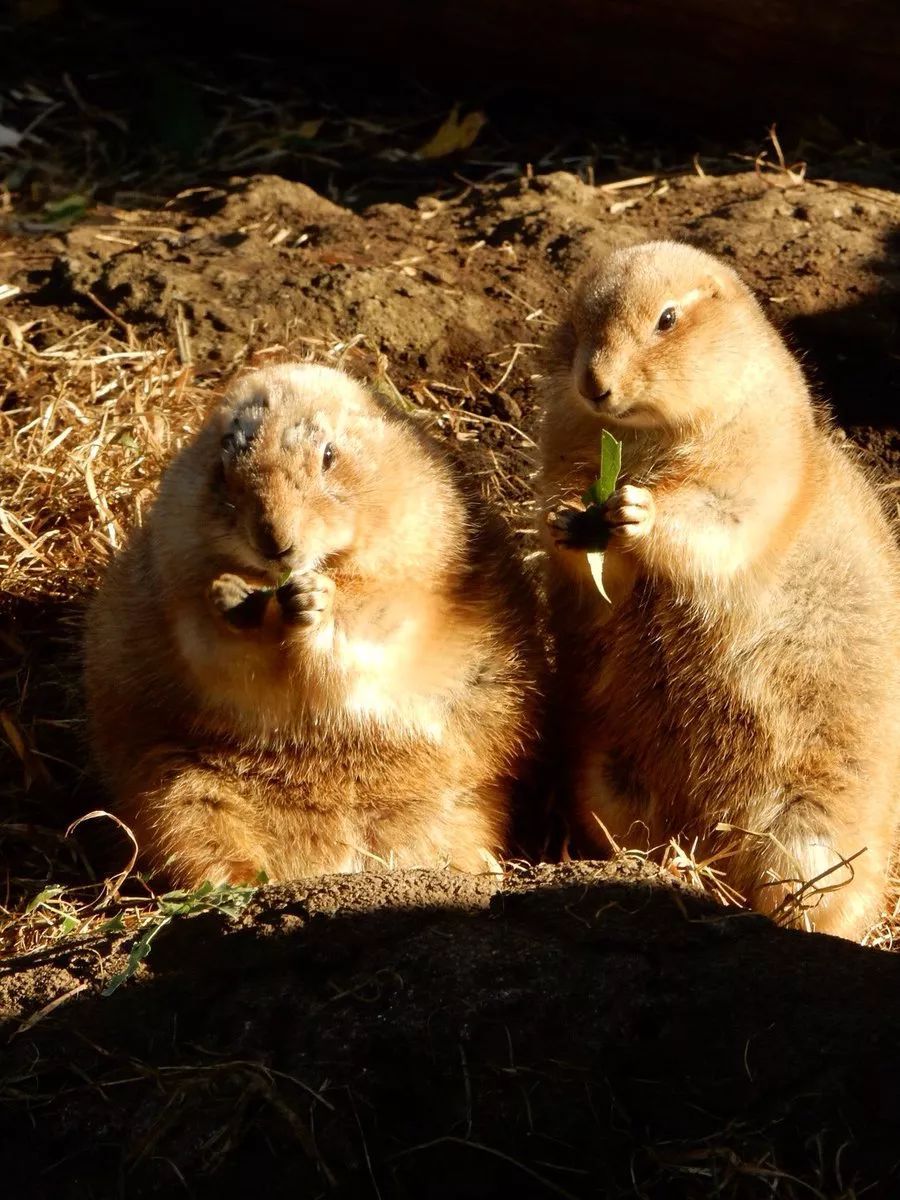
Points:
(449, 288)
(575, 1031)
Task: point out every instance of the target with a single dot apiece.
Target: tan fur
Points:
(379, 715)
(748, 671)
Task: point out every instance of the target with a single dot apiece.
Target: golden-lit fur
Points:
(374, 711)
(747, 672)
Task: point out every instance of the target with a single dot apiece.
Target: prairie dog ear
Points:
(721, 285)
(588, 278)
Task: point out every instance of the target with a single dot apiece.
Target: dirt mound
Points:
(577, 1032)
(453, 287)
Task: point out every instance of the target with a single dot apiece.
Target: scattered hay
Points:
(706, 874)
(88, 420)
(885, 933)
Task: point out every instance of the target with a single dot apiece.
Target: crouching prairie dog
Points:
(317, 653)
(742, 690)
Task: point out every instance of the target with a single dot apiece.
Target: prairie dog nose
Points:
(271, 543)
(593, 385)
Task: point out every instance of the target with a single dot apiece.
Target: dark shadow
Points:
(850, 356)
(45, 780)
(140, 107)
(580, 1034)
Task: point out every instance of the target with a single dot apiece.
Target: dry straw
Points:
(88, 420)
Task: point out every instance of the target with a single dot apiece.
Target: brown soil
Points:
(576, 1031)
(450, 288)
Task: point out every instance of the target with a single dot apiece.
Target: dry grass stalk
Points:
(87, 423)
(705, 873)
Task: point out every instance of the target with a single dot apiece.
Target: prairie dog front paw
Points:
(241, 605)
(630, 513)
(306, 599)
(578, 529)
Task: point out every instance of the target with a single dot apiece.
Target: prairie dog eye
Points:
(327, 456)
(667, 319)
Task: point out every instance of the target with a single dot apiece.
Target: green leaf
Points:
(596, 560)
(610, 466)
(228, 898)
(127, 439)
(137, 954)
(598, 493)
(279, 583)
(38, 901)
(68, 210)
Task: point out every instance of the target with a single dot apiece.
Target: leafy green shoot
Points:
(610, 466)
(598, 493)
(226, 898)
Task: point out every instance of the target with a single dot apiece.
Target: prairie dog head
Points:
(660, 336)
(309, 470)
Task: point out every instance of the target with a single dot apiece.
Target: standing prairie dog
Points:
(747, 671)
(317, 653)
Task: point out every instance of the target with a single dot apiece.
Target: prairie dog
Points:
(747, 672)
(372, 707)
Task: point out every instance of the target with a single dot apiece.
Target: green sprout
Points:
(225, 898)
(598, 493)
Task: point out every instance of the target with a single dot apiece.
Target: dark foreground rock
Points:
(576, 1031)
